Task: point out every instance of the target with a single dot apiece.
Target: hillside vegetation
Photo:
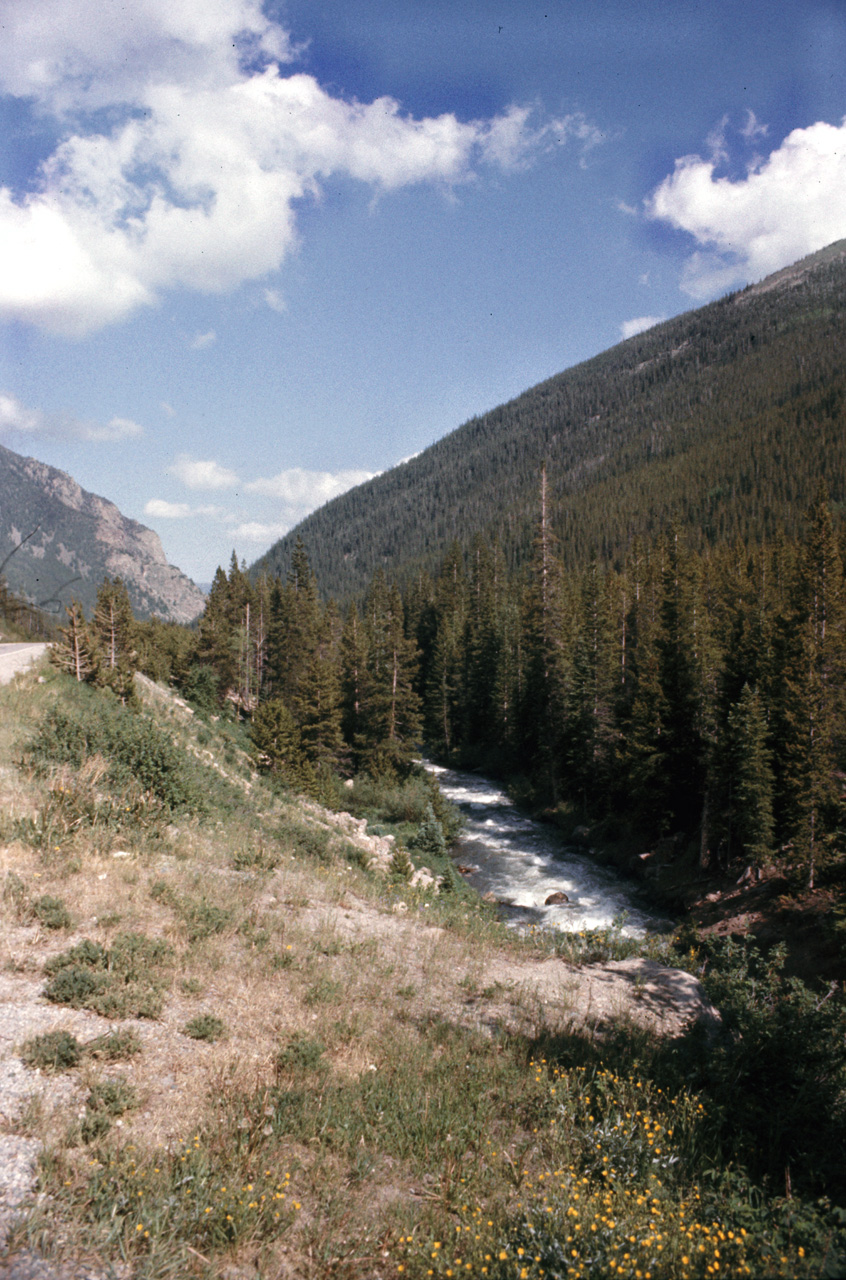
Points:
(725, 420)
(243, 1051)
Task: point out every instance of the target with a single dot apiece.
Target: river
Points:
(522, 862)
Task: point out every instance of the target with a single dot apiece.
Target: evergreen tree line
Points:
(325, 694)
(694, 693)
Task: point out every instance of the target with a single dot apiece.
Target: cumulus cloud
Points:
(15, 417)
(629, 328)
(300, 488)
(193, 181)
(790, 203)
(198, 473)
(158, 509)
(202, 340)
(261, 534)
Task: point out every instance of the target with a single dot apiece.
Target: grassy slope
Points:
(379, 1104)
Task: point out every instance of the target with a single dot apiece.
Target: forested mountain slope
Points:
(724, 419)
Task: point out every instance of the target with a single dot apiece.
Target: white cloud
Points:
(15, 417)
(262, 534)
(56, 52)
(197, 473)
(510, 142)
(202, 340)
(789, 204)
(167, 409)
(307, 489)
(192, 181)
(114, 429)
(753, 128)
(158, 509)
(275, 300)
(629, 328)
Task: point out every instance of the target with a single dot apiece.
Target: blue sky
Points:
(251, 255)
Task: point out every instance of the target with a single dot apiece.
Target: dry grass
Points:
(354, 982)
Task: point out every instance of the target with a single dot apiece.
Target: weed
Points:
(301, 1053)
(323, 991)
(112, 1097)
(115, 1046)
(204, 919)
(205, 1026)
(255, 858)
(14, 892)
(95, 1124)
(51, 912)
(53, 1051)
(123, 982)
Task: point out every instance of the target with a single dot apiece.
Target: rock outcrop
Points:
(74, 539)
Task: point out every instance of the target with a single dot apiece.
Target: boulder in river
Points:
(553, 899)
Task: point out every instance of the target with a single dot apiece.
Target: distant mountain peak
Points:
(79, 539)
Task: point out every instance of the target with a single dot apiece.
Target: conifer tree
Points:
(276, 743)
(114, 632)
(751, 808)
(75, 652)
(319, 696)
(390, 704)
(353, 663)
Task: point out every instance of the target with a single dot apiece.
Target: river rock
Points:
(553, 899)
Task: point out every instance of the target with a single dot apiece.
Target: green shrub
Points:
(430, 839)
(115, 1045)
(139, 753)
(51, 912)
(113, 1097)
(53, 1051)
(203, 919)
(124, 982)
(205, 1026)
(301, 1053)
(77, 986)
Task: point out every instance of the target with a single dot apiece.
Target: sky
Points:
(253, 254)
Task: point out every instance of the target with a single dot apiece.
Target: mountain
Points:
(725, 419)
(74, 539)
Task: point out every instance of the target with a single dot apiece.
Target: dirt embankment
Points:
(766, 905)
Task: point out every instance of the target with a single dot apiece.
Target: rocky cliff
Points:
(74, 539)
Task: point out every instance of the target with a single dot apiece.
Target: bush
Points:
(115, 1045)
(205, 1027)
(51, 912)
(780, 1067)
(124, 982)
(139, 753)
(54, 1051)
(430, 839)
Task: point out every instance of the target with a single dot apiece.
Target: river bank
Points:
(767, 905)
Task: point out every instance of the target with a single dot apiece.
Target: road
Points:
(16, 657)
